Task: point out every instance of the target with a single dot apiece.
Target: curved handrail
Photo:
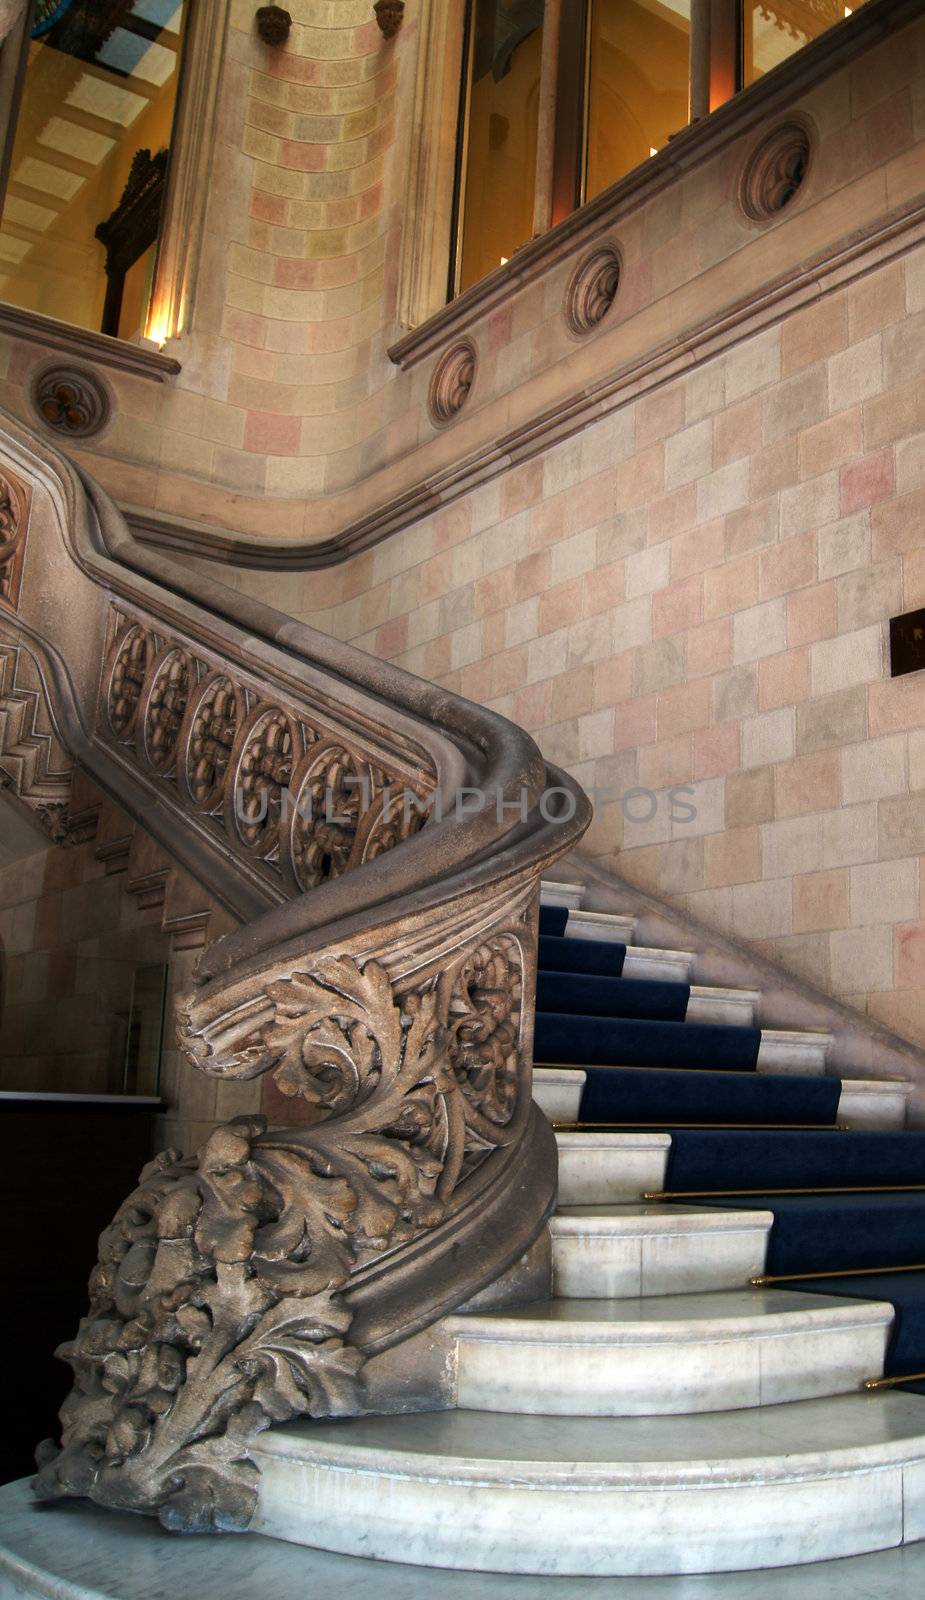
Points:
(382, 973)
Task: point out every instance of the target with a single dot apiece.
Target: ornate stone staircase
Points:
(490, 1374)
(746, 1435)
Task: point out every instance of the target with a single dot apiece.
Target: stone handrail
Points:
(379, 842)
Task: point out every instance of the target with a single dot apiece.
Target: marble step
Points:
(736, 1007)
(717, 1492)
(874, 1103)
(671, 1354)
(666, 966)
(610, 1168)
(88, 1552)
(798, 1051)
(863, 1102)
(553, 893)
(603, 1252)
(604, 926)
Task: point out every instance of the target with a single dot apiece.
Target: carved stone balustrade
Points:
(379, 842)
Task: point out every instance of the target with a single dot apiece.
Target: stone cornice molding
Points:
(823, 274)
(63, 338)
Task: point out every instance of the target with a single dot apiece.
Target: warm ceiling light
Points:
(653, 150)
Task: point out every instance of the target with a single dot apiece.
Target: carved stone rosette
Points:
(774, 171)
(71, 400)
(592, 290)
(452, 381)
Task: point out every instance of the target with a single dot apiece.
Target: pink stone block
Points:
(895, 705)
(698, 548)
(494, 591)
(671, 514)
(475, 684)
(665, 763)
(613, 680)
(291, 273)
(452, 525)
(659, 414)
(635, 724)
(603, 588)
(521, 488)
(864, 482)
(684, 708)
(811, 783)
(392, 638)
(889, 127)
(788, 566)
(267, 433)
(709, 648)
(783, 680)
(509, 671)
(532, 705)
(830, 443)
(736, 431)
(561, 606)
(811, 614)
(909, 955)
(532, 575)
(730, 588)
(436, 575)
(269, 207)
(677, 608)
(640, 479)
(716, 751)
(499, 328)
(303, 157)
(896, 525)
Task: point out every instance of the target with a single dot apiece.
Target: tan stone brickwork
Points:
(660, 611)
(72, 933)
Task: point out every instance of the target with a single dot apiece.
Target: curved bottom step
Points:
(790, 1484)
(78, 1552)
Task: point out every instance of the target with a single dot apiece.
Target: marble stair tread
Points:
(606, 925)
(873, 1103)
(742, 1312)
(89, 1552)
(606, 1251)
(863, 1102)
(669, 1354)
(785, 1050)
(599, 1168)
(729, 1491)
(554, 893)
(648, 1217)
(649, 961)
(708, 1003)
(835, 1432)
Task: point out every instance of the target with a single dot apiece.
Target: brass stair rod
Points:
(721, 1194)
(745, 1127)
(840, 1272)
(890, 1383)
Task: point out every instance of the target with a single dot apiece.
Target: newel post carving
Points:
(215, 1307)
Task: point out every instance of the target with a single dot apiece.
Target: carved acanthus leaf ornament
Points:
(214, 1308)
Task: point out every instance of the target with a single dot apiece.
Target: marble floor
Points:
(75, 1552)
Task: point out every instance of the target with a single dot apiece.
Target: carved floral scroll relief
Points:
(299, 795)
(14, 513)
(214, 1307)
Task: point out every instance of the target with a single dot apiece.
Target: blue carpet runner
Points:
(564, 1037)
(580, 955)
(695, 1073)
(644, 1097)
